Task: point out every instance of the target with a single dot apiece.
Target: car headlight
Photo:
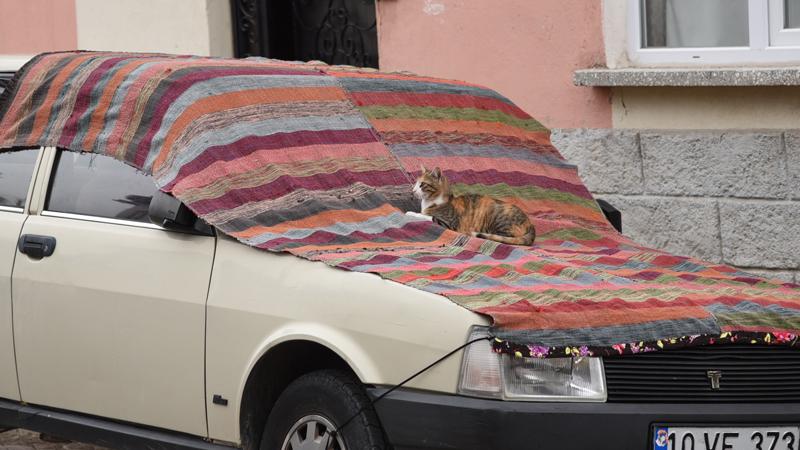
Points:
(485, 373)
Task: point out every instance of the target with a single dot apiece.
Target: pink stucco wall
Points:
(33, 26)
(525, 49)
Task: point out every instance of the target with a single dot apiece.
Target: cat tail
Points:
(526, 239)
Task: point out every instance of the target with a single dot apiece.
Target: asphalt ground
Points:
(27, 440)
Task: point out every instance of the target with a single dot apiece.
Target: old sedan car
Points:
(128, 322)
(118, 318)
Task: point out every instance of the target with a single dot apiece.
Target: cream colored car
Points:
(107, 316)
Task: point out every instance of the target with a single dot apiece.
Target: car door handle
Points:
(37, 246)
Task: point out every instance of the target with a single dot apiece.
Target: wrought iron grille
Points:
(334, 31)
(249, 34)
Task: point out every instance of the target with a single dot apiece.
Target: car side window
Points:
(16, 170)
(97, 185)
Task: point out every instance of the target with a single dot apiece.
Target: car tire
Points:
(320, 401)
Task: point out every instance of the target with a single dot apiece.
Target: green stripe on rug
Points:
(434, 113)
(571, 234)
(529, 192)
(758, 319)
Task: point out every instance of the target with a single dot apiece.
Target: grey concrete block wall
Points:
(609, 162)
(689, 226)
(761, 234)
(749, 165)
(793, 162)
(722, 196)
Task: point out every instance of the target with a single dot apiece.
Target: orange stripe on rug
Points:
(263, 158)
(543, 320)
(320, 220)
(240, 99)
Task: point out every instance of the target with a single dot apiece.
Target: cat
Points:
(478, 215)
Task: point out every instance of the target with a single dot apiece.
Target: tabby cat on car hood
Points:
(474, 214)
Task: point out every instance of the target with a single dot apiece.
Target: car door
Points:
(113, 322)
(16, 173)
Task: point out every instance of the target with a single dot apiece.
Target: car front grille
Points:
(748, 374)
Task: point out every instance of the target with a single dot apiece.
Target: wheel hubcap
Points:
(312, 432)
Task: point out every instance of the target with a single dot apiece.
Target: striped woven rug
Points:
(318, 161)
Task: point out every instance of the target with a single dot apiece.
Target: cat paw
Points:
(419, 215)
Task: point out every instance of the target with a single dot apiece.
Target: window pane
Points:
(792, 13)
(16, 169)
(693, 23)
(98, 185)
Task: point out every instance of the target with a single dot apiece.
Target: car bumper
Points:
(423, 420)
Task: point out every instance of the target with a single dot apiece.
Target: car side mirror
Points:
(168, 212)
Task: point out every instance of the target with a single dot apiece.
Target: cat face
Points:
(431, 185)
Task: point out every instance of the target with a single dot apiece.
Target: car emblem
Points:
(714, 376)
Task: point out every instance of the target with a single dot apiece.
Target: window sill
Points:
(688, 77)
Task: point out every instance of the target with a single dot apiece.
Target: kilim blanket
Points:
(319, 161)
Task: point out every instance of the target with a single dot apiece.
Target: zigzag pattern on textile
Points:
(318, 161)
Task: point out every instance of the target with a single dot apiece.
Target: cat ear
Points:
(423, 169)
(437, 173)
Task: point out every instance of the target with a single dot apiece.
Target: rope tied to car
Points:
(332, 435)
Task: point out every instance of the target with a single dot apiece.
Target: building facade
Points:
(703, 152)
(683, 114)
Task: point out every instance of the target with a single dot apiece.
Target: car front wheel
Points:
(309, 413)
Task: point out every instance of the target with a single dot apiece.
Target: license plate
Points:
(726, 438)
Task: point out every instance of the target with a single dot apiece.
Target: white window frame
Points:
(779, 36)
(768, 44)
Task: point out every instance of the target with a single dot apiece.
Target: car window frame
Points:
(37, 199)
(31, 183)
(87, 217)
(43, 188)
